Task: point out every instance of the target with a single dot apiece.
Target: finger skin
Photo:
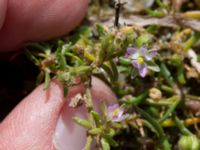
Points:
(3, 8)
(31, 125)
(39, 20)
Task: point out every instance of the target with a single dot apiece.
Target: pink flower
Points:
(139, 58)
(116, 113)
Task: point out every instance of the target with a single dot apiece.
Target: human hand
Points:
(37, 20)
(43, 120)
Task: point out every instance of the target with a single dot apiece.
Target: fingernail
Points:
(70, 136)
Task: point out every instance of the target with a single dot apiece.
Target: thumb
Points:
(43, 120)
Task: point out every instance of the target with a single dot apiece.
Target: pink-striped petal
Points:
(142, 70)
(131, 50)
(143, 50)
(135, 64)
(151, 54)
(113, 107)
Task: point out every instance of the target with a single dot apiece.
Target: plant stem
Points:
(170, 110)
(118, 6)
(181, 126)
(88, 143)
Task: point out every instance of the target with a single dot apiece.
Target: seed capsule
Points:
(189, 143)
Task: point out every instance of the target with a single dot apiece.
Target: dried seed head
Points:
(76, 101)
(155, 94)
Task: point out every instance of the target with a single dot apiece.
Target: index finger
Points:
(38, 20)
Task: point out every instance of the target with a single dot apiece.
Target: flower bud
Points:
(189, 143)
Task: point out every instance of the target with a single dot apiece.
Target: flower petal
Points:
(125, 116)
(151, 54)
(143, 50)
(142, 70)
(119, 119)
(131, 50)
(121, 111)
(112, 107)
(114, 118)
(135, 64)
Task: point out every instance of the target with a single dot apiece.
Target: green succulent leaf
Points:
(110, 140)
(96, 117)
(105, 144)
(83, 122)
(95, 131)
(153, 66)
